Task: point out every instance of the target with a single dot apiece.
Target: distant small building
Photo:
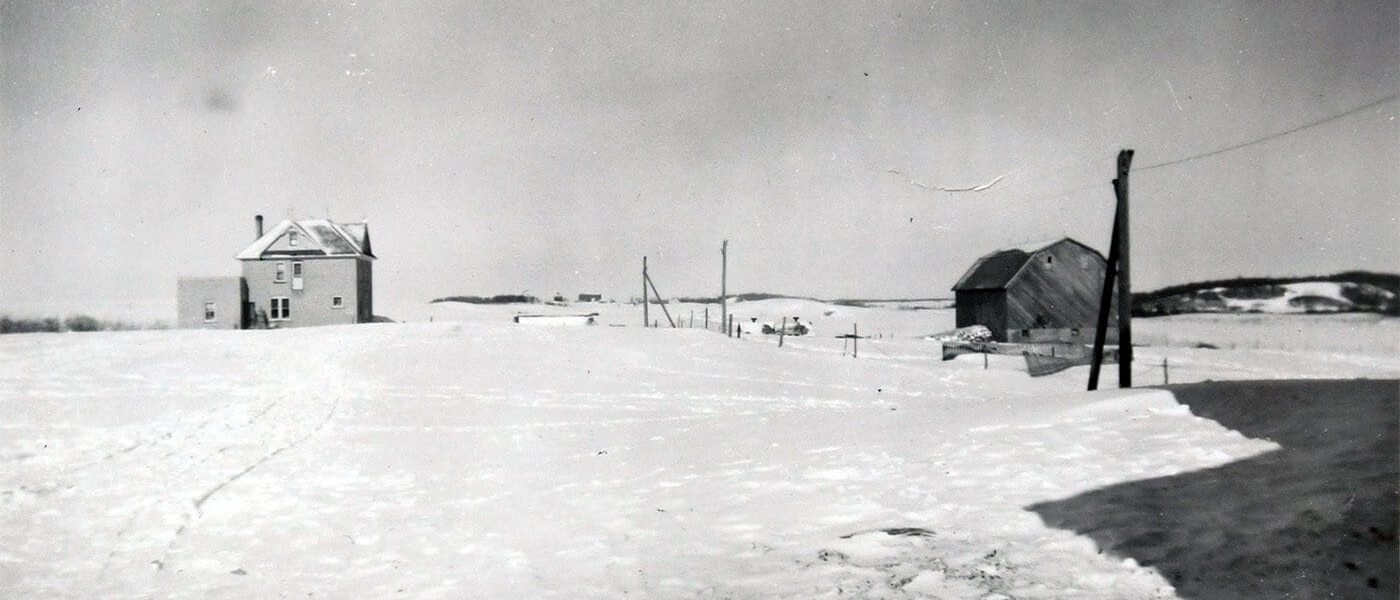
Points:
(590, 297)
(1040, 292)
(211, 303)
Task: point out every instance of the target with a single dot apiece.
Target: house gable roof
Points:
(997, 270)
(324, 238)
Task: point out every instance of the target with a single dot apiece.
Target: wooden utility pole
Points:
(1125, 286)
(1116, 272)
(646, 296)
(723, 280)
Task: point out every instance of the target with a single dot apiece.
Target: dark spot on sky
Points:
(219, 100)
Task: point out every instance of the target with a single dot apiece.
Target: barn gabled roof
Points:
(996, 271)
(327, 237)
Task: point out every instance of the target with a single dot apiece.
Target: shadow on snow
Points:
(1314, 519)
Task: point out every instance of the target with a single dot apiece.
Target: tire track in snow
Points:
(190, 434)
(198, 503)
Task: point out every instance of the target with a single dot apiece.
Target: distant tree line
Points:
(498, 299)
(74, 323)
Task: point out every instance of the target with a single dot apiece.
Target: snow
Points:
(474, 457)
(1281, 304)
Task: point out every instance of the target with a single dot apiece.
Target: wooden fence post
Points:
(781, 332)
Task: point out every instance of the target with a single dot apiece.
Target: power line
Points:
(1260, 140)
(1272, 136)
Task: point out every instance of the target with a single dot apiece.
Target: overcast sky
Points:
(544, 147)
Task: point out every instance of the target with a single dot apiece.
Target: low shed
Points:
(211, 303)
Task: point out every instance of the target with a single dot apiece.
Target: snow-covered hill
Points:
(1274, 298)
(471, 457)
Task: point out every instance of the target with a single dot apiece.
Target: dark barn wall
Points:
(1059, 288)
(982, 307)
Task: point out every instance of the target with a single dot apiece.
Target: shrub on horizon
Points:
(81, 323)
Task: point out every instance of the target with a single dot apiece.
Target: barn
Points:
(1041, 292)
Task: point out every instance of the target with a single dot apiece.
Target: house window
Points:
(1049, 261)
(337, 302)
(296, 276)
(208, 311)
(281, 274)
(1084, 262)
(291, 238)
(281, 309)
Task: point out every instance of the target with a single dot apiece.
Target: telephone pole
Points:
(723, 280)
(1116, 272)
(1125, 288)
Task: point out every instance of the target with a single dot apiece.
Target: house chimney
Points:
(258, 220)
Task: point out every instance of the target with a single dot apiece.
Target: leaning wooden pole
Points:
(1105, 299)
(661, 303)
(1125, 287)
(646, 297)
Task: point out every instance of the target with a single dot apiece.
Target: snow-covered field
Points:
(472, 457)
